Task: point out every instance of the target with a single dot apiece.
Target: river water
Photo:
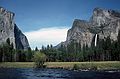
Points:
(30, 73)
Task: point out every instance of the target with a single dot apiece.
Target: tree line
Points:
(106, 50)
(9, 54)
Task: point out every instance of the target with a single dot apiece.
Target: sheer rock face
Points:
(110, 19)
(103, 22)
(8, 29)
(80, 33)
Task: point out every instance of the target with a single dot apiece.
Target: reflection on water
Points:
(30, 73)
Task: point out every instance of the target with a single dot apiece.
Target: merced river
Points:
(31, 73)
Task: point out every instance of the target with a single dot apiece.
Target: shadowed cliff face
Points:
(103, 22)
(8, 29)
(20, 39)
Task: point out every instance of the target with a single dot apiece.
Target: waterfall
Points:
(95, 40)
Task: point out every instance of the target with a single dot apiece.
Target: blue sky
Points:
(33, 15)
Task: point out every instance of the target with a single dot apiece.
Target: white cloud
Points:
(46, 36)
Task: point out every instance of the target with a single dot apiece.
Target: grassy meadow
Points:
(103, 65)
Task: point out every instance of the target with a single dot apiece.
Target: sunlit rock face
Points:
(8, 29)
(80, 33)
(110, 20)
(103, 22)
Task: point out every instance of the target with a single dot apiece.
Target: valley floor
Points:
(101, 65)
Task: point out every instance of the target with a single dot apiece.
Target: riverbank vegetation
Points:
(39, 59)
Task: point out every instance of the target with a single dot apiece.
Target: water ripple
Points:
(30, 73)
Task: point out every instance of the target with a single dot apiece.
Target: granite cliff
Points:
(103, 23)
(9, 30)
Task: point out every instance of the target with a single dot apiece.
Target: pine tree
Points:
(36, 49)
